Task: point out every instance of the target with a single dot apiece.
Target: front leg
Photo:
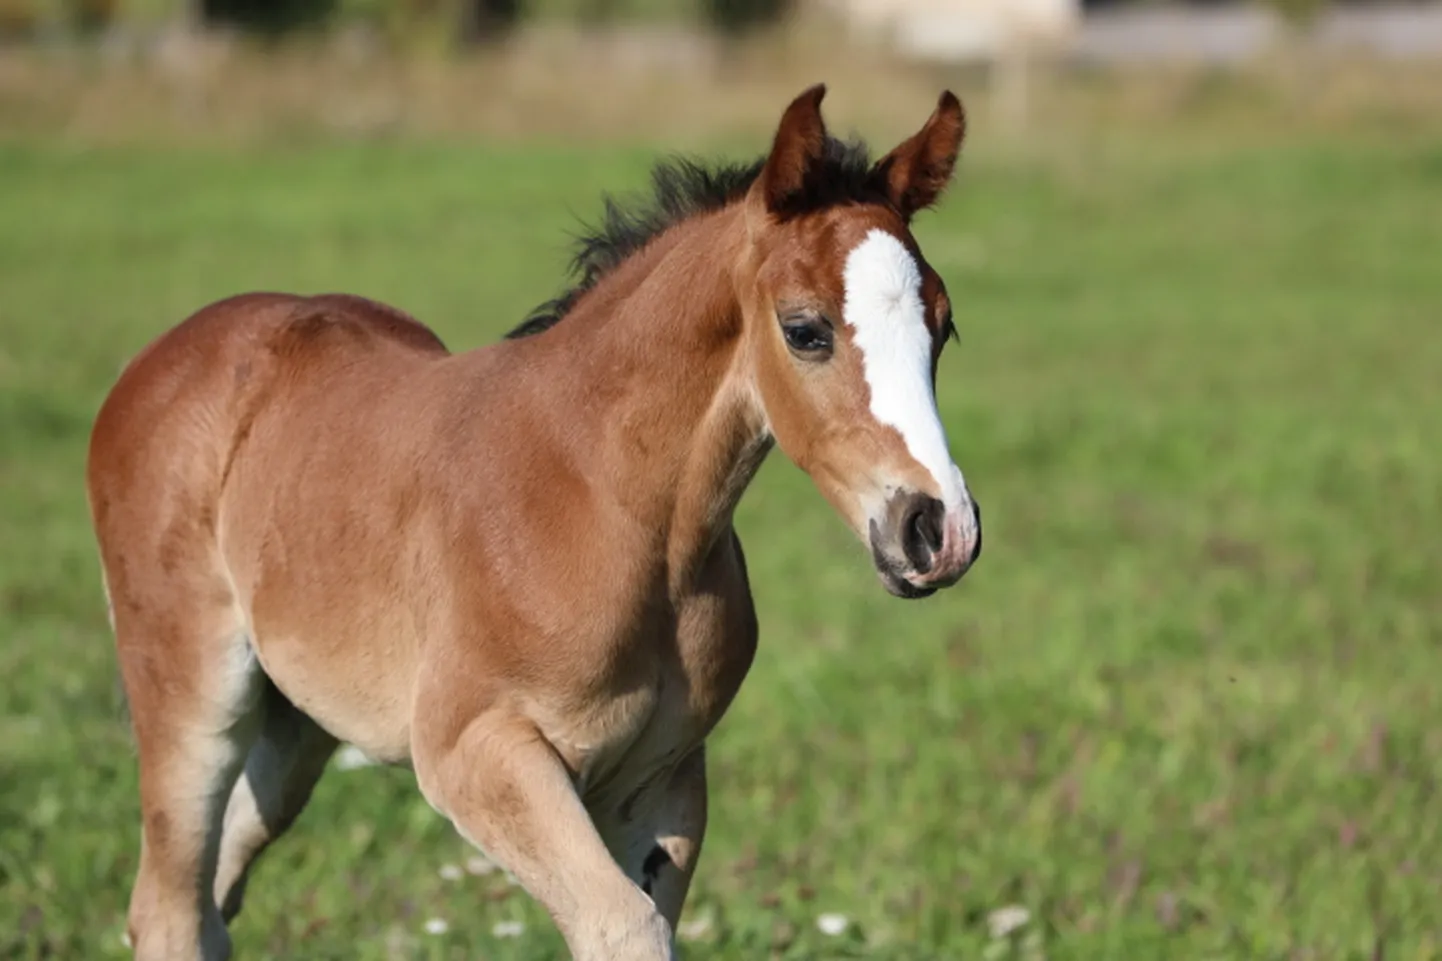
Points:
(656, 833)
(506, 790)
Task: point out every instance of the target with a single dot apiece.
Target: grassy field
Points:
(1186, 706)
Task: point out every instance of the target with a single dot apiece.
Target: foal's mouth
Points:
(901, 587)
(893, 574)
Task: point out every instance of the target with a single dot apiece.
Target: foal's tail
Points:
(121, 705)
(120, 702)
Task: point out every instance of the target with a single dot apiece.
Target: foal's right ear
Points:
(798, 148)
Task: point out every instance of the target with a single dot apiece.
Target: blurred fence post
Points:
(1300, 19)
(1011, 82)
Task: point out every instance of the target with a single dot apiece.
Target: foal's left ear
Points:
(914, 174)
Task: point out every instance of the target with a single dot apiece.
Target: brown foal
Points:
(514, 568)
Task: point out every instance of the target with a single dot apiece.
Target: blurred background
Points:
(1187, 704)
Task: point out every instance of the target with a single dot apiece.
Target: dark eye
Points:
(808, 337)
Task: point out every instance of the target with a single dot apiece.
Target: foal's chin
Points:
(893, 576)
(898, 586)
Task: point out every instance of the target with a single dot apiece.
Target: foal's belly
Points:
(356, 684)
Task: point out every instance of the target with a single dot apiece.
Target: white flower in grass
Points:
(480, 865)
(437, 926)
(694, 929)
(1004, 922)
(832, 924)
(125, 939)
(450, 872)
(508, 929)
(350, 757)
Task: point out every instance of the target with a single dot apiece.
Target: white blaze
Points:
(888, 320)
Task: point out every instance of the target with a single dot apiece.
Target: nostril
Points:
(922, 537)
(928, 525)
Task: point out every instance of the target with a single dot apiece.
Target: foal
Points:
(514, 569)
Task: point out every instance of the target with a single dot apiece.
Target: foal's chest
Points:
(683, 678)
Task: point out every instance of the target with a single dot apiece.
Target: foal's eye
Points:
(948, 329)
(808, 337)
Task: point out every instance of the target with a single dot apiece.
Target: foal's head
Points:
(844, 322)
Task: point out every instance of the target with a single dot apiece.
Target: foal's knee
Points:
(157, 934)
(637, 931)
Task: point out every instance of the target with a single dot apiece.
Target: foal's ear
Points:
(799, 145)
(914, 174)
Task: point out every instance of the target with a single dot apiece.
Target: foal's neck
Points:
(654, 356)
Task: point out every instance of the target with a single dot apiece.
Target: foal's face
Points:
(846, 327)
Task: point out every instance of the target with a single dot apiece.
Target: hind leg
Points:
(194, 684)
(283, 766)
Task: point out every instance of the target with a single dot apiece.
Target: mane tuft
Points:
(683, 188)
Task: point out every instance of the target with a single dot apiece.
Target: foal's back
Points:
(191, 401)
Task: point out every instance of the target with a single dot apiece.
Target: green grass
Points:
(1186, 706)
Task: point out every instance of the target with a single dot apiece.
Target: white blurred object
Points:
(960, 30)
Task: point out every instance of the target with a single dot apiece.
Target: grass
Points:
(1186, 707)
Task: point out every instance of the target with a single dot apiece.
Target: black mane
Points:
(682, 188)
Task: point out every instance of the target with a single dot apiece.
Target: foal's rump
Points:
(240, 480)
